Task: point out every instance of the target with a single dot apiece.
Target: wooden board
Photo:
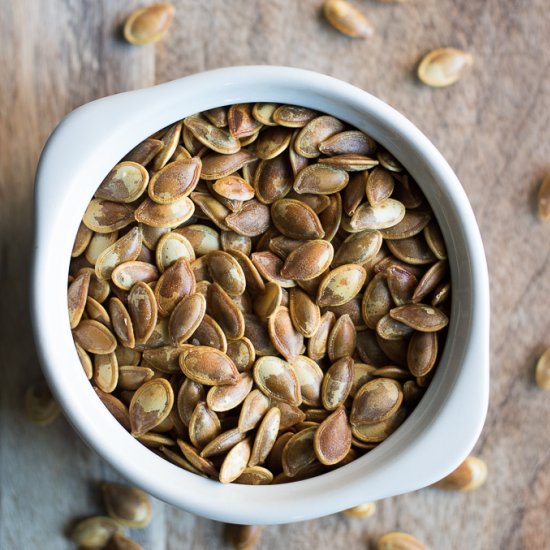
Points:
(493, 127)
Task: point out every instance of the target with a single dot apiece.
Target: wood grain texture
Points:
(492, 127)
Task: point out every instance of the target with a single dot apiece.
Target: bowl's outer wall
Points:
(442, 429)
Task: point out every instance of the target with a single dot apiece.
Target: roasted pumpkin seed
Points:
(444, 66)
(470, 475)
(346, 18)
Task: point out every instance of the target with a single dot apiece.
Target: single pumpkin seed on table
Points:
(444, 66)
(347, 19)
(263, 291)
(149, 24)
(40, 406)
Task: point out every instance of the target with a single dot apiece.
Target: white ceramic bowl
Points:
(435, 438)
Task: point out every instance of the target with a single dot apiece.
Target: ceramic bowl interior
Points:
(434, 439)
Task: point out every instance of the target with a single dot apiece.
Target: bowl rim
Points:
(440, 432)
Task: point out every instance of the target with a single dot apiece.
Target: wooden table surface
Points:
(493, 127)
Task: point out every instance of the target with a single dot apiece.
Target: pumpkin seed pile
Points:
(259, 293)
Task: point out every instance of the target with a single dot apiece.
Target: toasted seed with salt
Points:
(332, 440)
(277, 379)
(150, 405)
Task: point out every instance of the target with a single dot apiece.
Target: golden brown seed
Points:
(399, 541)
(203, 239)
(190, 394)
(273, 179)
(122, 323)
(40, 405)
(350, 163)
(420, 317)
(272, 142)
(208, 366)
(390, 329)
(195, 459)
(263, 112)
(209, 333)
(413, 222)
(233, 242)
(234, 188)
(149, 24)
(286, 339)
(77, 296)
(116, 407)
(227, 272)
(348, 142)
(130, 378)
(216, 166)
(346, 18)
(304, 312)
(332, 440)
(422, 353)
(321, 179)
(314, 133)
(142, 307)
(217, 139)
(144, 152)
(361, 511)
(377, 300)
(82, 240)
(265, 436)
(470, 475)
(308, 261)
(94, 337)
(376, 401)
(104, 216)
(413, 250)
(170, 248)
(175, 283)
(317, 344)
(223, 442)
(240, 120)
(94, 532)
(542, 371)
(401, 284)
(375, 433)
(267, 303)
(299, 453)
(269, 266)
(337, 383)
(358, 248)
(254, 407)
(106, 372)
(444, 66)
(293, 116)
(341, 285)
(175, 181)
(125, 249)
(225, 312)
(217, 116)
(126, 182)
(129, 506)
(255, 475)
(296, 220)
(252, 220)
(126, 274)
(310, 377)
(383, 215)
(150, 405)
(380, 184)
(235, 461)
(225, 398)
(165, 215)
(186, 318)
(342, 338)
(204, 426)
(277, 379)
